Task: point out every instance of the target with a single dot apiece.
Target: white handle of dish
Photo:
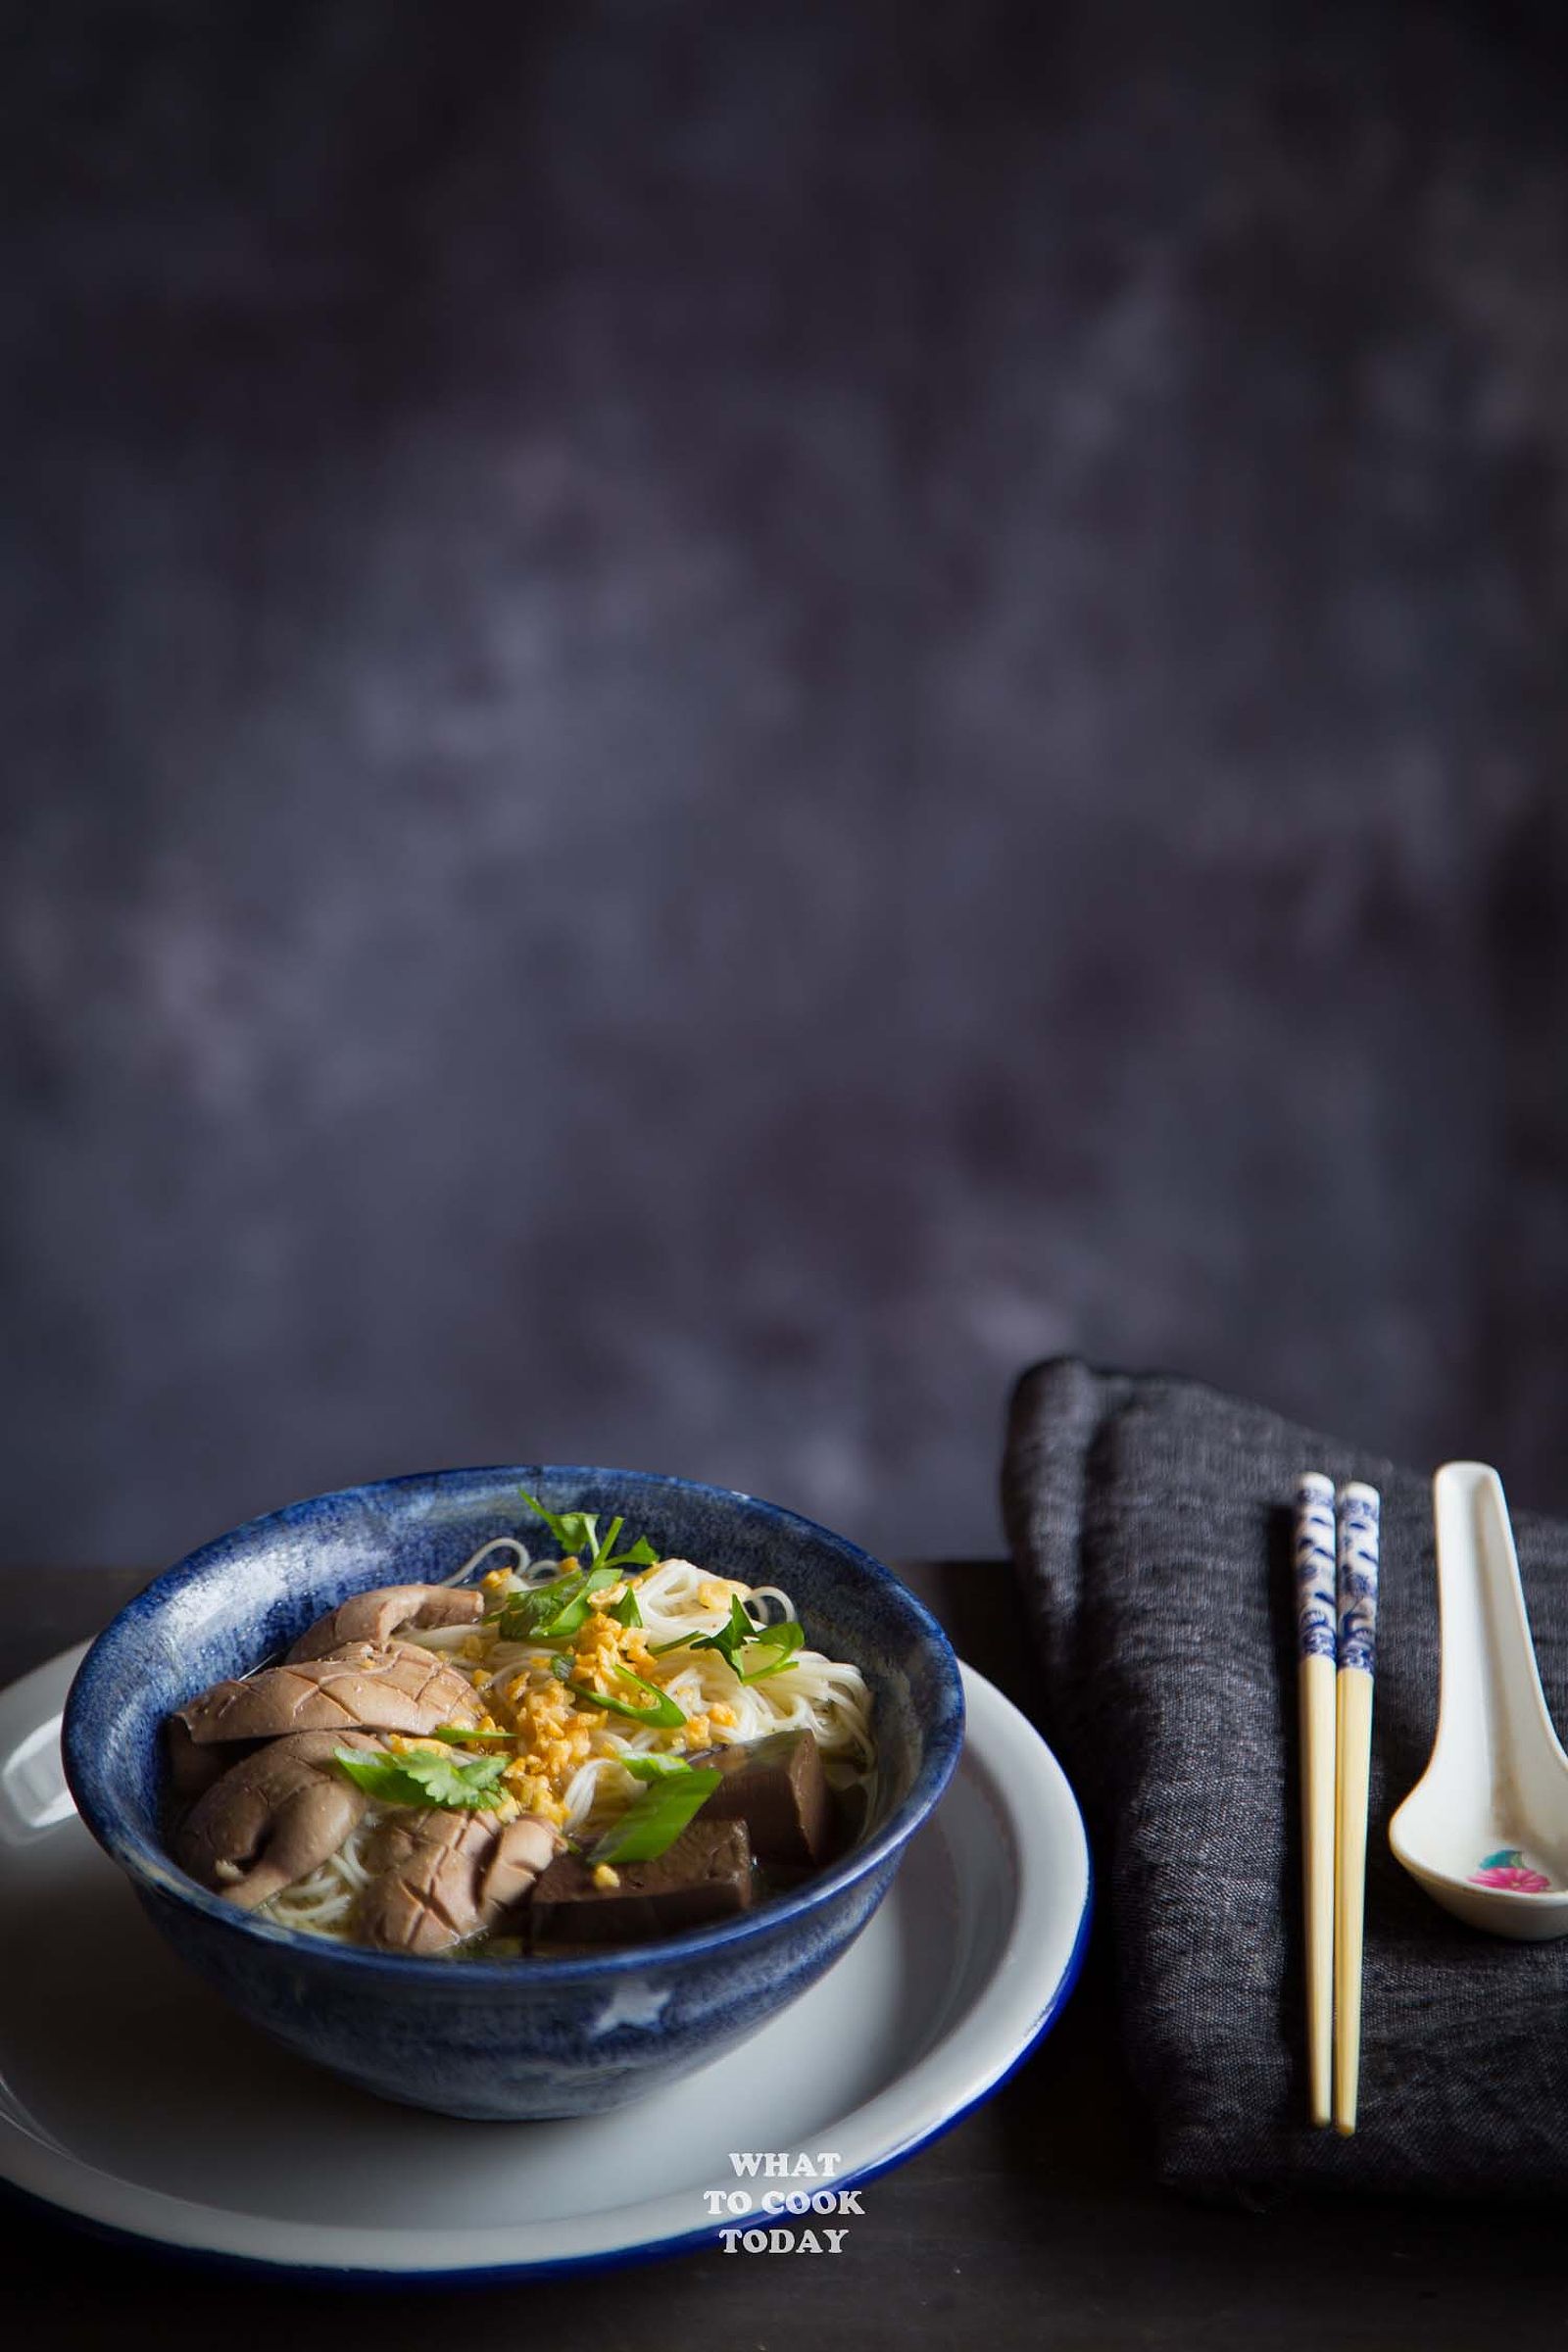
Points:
(33, 1796)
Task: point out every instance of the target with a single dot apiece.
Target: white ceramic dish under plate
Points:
(110, 2054)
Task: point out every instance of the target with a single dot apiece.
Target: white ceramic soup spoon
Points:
(1484, 1830)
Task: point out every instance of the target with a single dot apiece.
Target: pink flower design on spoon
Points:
(1509, 1870)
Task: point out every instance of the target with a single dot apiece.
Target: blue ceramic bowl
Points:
(494, 2038)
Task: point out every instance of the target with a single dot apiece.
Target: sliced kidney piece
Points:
(442, 1877)
(273, 1817)
(389, 1688)
(378, 1617)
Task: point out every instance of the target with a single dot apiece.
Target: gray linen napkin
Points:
(1150, 1522)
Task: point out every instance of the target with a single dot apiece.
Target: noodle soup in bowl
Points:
(752, 1622)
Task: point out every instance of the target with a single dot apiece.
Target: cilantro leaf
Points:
(625, 1610)
(640, 1555)
(784, 1639)
(740, 1638)
(576, 1532)
(460, 1784)
(730, 1639)
(555, 1611)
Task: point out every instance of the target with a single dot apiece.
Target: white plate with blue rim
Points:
(110, 2054)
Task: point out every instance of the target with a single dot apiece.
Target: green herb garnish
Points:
(577, 1534)
(459, 1783)
(654, 1821)
(556, 1612)
(784, 1639)
(640, 1555)
(741, 1634)
(625, 1610)
(728, 1641)
(574, 1531)
(662, 1711)
(456, 1737)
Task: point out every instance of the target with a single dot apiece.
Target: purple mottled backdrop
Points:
(718, 719)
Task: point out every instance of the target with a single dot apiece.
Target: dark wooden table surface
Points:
(1035, 2222)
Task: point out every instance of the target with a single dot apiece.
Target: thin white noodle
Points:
(461, 1576)
(786, 1606)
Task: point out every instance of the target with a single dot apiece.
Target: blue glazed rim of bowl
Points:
(149, 1867)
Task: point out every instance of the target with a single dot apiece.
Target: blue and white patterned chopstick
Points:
(1316, 1626)
(1315, 1588)
(1359, 1556)
(1359, 1560)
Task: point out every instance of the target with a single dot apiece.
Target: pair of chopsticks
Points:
(1337, 1605)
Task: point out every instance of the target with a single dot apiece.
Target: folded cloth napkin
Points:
(1151, 1521)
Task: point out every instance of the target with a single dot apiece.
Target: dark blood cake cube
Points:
(705, 1874)
(777, 1786)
